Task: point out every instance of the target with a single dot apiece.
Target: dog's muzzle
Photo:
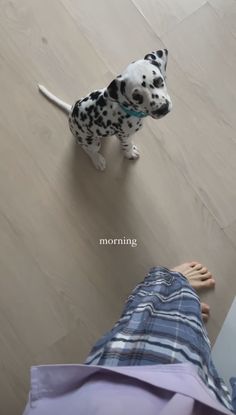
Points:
(163, 110)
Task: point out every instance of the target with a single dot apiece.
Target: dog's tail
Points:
(61, 104)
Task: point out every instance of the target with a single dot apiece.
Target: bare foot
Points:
(205, 311)
(199, 277)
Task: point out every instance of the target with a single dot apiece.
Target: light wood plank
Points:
(74, 347)
(14, 359)
(132, 37)
(164, 15)
(231, 232)
(47, 56)
(24, 301)
(203, 122)
(227, 10)
(47, 231)
(222, 6)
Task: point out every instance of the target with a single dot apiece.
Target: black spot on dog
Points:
(144, 76)
(150, 56)
(130, 125)
(99, 121)
(158, 82)
(159, 53)
(101, 101)
(94, 95)
(154, 72)
(152, 103)
(108, 123)
(151, 86)
(156, 64)
(83, 116)
(89, 140)
(122, 87)
(78, 125)
(96, 113)
(75, 112)
(85, 99)
(119, 76)
(156, 96)
(89, 109)
(113, 89)
(104, 113)
(143, 84)
(137, 97)
(105, 94)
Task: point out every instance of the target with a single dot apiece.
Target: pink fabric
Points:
(98, 390)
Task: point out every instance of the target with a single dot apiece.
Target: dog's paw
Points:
(133, 153)
(99, 162)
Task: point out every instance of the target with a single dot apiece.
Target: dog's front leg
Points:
(129, 149)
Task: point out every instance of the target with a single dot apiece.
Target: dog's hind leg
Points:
(92, 149)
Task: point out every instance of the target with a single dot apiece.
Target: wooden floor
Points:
(59, 289)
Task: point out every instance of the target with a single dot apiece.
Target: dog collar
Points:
(138, 114)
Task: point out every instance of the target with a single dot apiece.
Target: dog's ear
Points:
(116, 89)
(159, 59)
(113, 90)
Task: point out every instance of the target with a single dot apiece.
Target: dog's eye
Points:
(158, 82)
(137, 97)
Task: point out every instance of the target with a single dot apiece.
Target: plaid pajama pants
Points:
(161, 323)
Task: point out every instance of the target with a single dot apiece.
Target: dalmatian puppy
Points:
(119, 109)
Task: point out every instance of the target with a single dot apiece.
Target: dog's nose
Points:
(163, 110)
